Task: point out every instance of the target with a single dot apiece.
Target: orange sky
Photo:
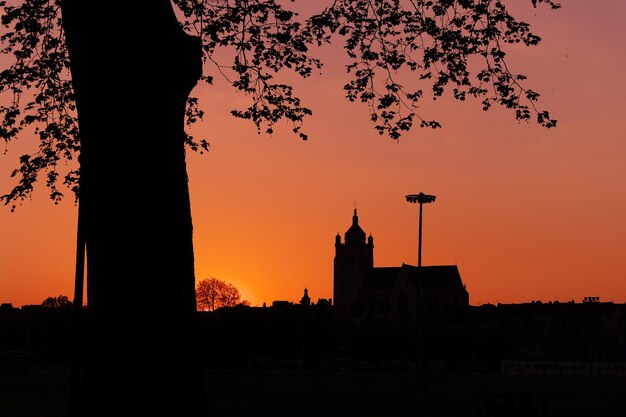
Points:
(526, 213)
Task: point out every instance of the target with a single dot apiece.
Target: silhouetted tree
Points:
(132, 68)
(212, 293)
(57, 302)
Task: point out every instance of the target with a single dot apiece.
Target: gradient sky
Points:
(526, 213)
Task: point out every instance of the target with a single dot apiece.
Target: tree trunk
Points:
(132, 70)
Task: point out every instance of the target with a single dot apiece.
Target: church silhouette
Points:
(362, 291)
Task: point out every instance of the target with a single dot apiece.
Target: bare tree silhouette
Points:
(57, 302)
(213, 293)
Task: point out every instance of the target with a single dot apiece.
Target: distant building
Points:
(7, 308)
(305, 300)
(364, 291)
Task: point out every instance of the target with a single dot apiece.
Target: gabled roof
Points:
(438, 276)
(431, 277)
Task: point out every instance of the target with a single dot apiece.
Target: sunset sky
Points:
(526, 213)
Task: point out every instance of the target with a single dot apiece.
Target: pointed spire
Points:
(355, 235)
(305, 300)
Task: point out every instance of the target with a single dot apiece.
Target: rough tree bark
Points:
(132, 70)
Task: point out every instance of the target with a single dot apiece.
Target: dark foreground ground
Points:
(44, 392)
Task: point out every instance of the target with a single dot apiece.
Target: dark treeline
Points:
(289, 336)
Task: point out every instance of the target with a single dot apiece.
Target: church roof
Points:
(439, 276)
(355, 228)
(431, 277)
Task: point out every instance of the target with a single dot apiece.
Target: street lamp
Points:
(420, 198)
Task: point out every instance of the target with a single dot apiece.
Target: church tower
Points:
(353, 260)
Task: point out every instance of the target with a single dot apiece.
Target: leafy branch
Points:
(396, 50)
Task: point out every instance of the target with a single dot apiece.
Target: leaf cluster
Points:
(264, 38)
(397, 50)
(432, 41)
(37, 96)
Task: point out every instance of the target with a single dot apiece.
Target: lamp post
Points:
(420, 198)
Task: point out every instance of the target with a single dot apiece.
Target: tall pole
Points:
(420, 198)
(419, 245)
